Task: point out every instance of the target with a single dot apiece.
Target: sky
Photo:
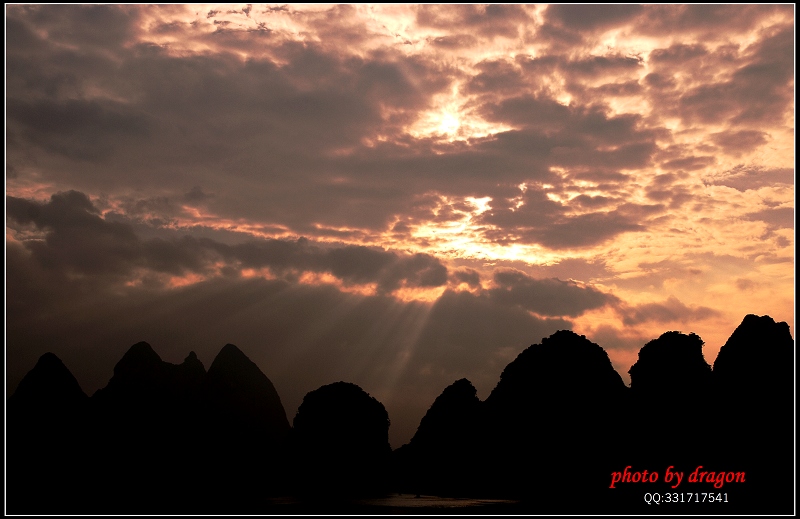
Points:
(397, 196)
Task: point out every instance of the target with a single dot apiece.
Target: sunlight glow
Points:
(326, 278)
(451, 120)
(187, 279)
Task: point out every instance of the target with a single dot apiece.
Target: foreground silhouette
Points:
(555, 432)
(45, 439)
(340, 443)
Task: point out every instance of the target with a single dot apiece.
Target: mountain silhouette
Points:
(175, 438)
(452, 415)
(341, 441)
(756, 361)
(438, 459)
(45, 435)
(48, 388)
(671, 366)
(670, 395)
(754, 404)
(142, 382)
(148, 408)
(236, 395)
(671, 369)
(243, 432)
(542, 409)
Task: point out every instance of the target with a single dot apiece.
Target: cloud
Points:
(78, 240)
(688, 163)
(591, 17)
(543, 221)
(744, 178)
(775, 218)
(489, 20)
(547, 297)
(670, 311)
(703, 20)
(196, 194)
(469, 276)
(738, 142)
(678, 54)
(758, 89)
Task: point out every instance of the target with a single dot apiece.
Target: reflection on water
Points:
(412, 501)
(393, 503)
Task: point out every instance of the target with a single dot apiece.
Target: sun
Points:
(449, 123)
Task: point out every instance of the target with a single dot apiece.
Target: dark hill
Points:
(341, 441)
(450, 419)
(48, 388)
(565, 365)
(671, 404)
(757, 359)
(553, 407)
(46, 440)
(145, 384)
(243, 430)
(439, 459)
(145, 417)
(237, 395)
(754, 404)
(166, 438)
(671, 367)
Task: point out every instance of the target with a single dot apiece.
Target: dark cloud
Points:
(688, 163)
(591, 17)
(78, 129)
(627, 88)
(602, 65)
(79, 240)
(486, 20)
(569, 126)
(678, 54)
(659, 81)
(703, 19)
(670, 311)
(530, 112)
(587, 147)
(469, 276)
(202, 114)
(93, 26)
(746, 285)
(575, 268)
(585, 230)
(777, 218)
(592, 202)
(677, 195)
(547, 222)
(600, 175)
(281, 140)
(759, 89)
(196, 194)
(743, 178)
(737, 143)
(455, 41)
(496, 76)
(547, 297)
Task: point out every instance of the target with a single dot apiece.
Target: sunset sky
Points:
(397, 196)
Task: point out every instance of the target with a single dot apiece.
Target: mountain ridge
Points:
(206, 435)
